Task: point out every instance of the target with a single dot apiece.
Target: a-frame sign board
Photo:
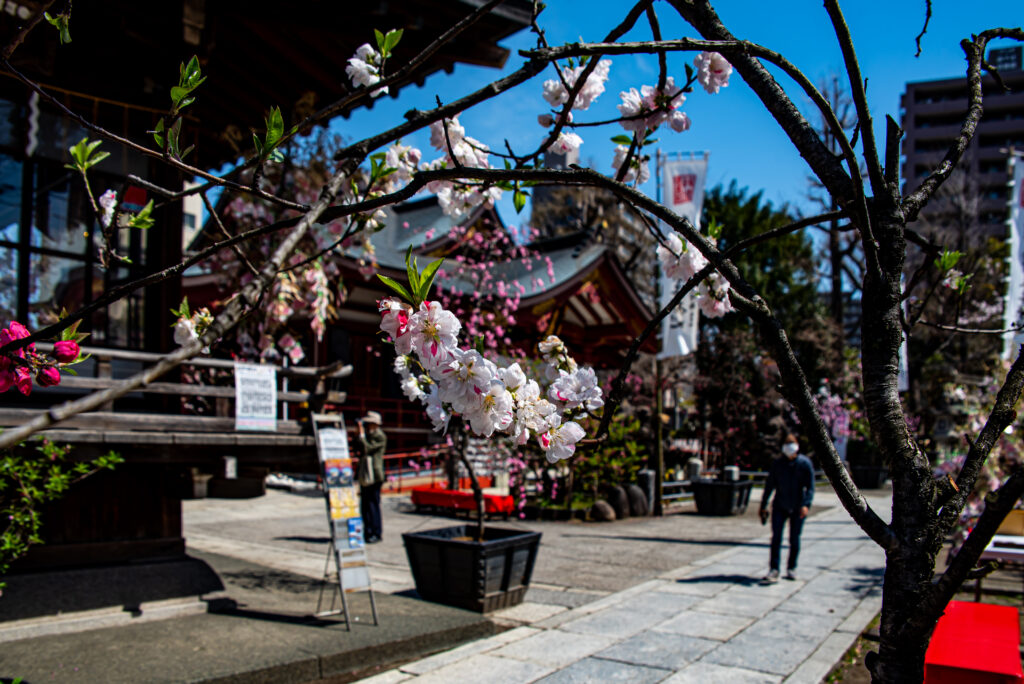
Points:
(346, 527)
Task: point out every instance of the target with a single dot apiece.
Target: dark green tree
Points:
(739, 409)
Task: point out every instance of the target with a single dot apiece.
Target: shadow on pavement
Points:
(742, 580)
(674, 540)
(307, 540)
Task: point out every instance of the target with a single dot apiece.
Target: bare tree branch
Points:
(924, 29)
(975, 52)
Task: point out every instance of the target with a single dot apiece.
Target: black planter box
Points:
(715, 497)
(869, 476)
(481, 576)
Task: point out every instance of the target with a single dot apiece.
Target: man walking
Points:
(791, 478)
(371, 474)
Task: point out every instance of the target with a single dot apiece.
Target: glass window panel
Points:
(8, 285)
(57, 217)
(10, 124)
(10, 198)
(54, 283)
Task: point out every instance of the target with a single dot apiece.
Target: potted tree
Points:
(474, 566)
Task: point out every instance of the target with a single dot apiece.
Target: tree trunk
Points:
(904, 631)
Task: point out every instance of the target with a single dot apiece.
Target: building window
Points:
(48, 248)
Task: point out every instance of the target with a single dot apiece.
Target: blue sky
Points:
(744, 142)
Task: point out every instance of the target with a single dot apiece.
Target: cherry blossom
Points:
(577, 389)
(712, 71)
(713, 296)
(489, 397)
(566, 143)
(637, 166)
(108, 201)
(679, 259)
(556, 94)
(395, 322)
(434, 334)
(364, 68)
(559, 442)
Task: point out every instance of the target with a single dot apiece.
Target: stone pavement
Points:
(708, 621)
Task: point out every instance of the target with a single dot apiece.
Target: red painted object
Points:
(975, 642)
(437, 496)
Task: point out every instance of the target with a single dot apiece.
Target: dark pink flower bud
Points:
(48, 377)
(6, 379)
(65, 351)
(18, 331)
(23, 380)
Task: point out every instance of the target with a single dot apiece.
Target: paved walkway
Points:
(709, 621)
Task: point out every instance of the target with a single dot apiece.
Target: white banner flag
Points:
(683, 181)
(1015, 283)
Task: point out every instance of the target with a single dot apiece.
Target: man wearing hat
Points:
(371, 474)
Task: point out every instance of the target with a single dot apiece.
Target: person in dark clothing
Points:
(791, 478)
(371, 474)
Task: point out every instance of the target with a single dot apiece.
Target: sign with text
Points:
(1015, 285)
(684, 180)
(255, 397)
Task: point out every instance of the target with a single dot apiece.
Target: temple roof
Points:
(257, 54)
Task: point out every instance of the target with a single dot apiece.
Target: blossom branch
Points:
(233, 312)
(1002, 415)
(146, 151)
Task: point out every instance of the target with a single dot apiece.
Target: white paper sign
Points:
(683, 180)
(255, 397)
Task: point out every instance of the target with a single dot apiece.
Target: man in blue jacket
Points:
(791, 478)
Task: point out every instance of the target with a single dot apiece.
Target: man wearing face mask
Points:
(791, 478)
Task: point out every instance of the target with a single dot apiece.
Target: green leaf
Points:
(519, 200)
(380, 40)
(622, 140)
(191, 74)
(143, 220)
(689, 71)
(412, 272)
(181, 312)
(396, 286)
(85, 156)
(275, 126)
(178, 94)
(158, 132)
(427, 278)
(62, 22)
(391, 40)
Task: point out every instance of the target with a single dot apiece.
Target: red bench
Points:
(437, 496)
(975, 642)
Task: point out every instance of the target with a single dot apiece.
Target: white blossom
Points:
(679, 259)
(576, 389)
(556, 94)
(712, 71)
(559, 441)
(713, 296)
(395, 317)
(364, 68)
(434, 333)
(184, 332)
(637, 166)
(566, 143)
(108, 201)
